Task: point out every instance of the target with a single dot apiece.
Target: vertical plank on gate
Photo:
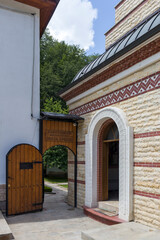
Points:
(34, 182)
(22, 173)
(9, 184)
(13, 186)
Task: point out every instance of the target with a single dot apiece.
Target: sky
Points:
(83, 23)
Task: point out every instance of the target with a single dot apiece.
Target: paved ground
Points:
(57, 221)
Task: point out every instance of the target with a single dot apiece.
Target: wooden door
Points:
(105, 171)
(24, 180)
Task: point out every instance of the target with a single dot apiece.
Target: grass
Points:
(64, 185)
(47, 189)
(56, 180)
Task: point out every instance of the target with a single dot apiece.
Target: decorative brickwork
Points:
(141, 54)
(140, 87)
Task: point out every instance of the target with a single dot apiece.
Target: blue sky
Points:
(104, 21)
(83, 23)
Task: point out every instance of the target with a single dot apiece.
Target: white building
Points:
(21, 24)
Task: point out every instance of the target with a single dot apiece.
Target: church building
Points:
(118, 96)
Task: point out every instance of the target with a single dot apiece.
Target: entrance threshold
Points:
(100, 217)
(109, 207)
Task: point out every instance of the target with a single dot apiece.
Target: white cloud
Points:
(72, 22)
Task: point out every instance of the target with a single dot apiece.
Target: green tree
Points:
(56, 157)
(57, 106)
(59, 63)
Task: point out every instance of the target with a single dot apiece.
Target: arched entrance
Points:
(93, 148)
(57, 173)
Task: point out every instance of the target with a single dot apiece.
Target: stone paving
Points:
(58, 220)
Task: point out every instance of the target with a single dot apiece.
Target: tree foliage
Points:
(59, 63)
(55, 106)
(56, 157)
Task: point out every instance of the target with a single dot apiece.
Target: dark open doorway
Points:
(113, 171)
(111, 163)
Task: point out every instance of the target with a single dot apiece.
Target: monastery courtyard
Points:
(59, 221)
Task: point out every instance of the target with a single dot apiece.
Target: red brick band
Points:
(81, 143)
(134, 58)
(78, 181)
(120, 3)
(139, 87)
(144, 194)
(148, 134)
(147, 164)
(79, 162)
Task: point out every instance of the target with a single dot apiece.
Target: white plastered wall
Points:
(17, 34)
(125, 160)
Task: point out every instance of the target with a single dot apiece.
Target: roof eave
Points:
(60, 117)
(114, 57)
(47, 8)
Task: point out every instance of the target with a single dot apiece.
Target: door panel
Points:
(24, 180)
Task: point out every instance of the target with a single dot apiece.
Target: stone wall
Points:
(3, 197)
(125, 7)
(143, 114)
(131, 19)
(70, 178)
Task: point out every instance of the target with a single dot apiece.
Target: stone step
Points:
(123, 231)
(110, 206)
(5, 232)
(107, 213)
(101, 217)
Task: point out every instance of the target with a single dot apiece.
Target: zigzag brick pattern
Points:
(142, 86)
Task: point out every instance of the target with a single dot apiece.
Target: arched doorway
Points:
(92, 149)
(109, 161)
(58, 172)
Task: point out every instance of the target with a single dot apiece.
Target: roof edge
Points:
(134, 44)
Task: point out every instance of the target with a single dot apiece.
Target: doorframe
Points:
(125, 160)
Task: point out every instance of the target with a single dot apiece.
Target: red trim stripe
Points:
(78, 181)
(148, 134)
(81, 143)
(147, 164)
(79, 162)
(144, 194)
(120, 3)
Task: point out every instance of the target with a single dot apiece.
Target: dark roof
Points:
(143, 31)
(59, 116)
(47, 8)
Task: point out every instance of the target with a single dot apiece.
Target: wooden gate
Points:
(24, 180)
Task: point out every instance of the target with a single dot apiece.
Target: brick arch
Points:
(98, 122)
